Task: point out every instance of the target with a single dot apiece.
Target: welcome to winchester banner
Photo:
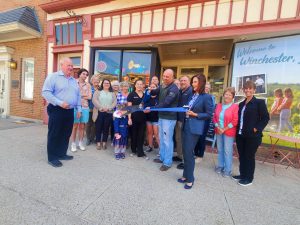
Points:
(272, 64)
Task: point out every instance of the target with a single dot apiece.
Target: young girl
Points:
(285, 110)
(274, 113)
(120, 139)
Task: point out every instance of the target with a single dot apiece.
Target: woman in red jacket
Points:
(225, 120)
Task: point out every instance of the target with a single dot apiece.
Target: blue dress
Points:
(121, 127)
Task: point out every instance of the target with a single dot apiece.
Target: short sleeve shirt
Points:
(135, 99)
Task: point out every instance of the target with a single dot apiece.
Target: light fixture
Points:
(193, 51)
(12, 64)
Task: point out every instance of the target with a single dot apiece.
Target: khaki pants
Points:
(178, 138)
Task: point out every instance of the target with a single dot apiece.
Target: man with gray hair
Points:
(62, 93)
(185, 94)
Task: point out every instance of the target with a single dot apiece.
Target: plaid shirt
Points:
(121, 99)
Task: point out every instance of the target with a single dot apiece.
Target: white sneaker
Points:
(81, 146)
(73, 147)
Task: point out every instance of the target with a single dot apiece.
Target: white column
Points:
(86, 55)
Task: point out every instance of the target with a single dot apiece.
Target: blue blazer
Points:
(203, 106)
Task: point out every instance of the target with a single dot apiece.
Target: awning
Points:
(18, 24)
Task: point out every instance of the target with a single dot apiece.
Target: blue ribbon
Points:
(174, 109)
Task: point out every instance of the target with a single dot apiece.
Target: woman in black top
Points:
(137, 119)
(253, 118)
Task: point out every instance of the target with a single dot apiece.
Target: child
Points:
(285, 110)
(120, 139)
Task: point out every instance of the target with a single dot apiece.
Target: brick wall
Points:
(31, 48)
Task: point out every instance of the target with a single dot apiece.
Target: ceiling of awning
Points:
(18, 24)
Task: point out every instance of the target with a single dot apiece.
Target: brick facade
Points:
(31, 48)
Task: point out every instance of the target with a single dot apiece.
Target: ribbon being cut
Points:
(123, 111)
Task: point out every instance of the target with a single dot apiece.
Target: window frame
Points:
(23, 77)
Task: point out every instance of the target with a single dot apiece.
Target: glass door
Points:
(191, 71)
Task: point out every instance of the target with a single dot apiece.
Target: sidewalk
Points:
(94, 188)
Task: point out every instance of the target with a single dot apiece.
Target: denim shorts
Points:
(84, 116)
(152, 123)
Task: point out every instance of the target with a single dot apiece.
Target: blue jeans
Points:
(166, 131)
(225, 149)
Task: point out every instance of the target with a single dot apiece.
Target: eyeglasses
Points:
(105, 83)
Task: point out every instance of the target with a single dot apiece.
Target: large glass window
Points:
(27, 78)
(57, 34)
(65, 34)
(136, 65)
(107, 63)
(273, 65)
(72, 33)
(79, 32)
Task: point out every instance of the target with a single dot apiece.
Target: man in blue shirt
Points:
(63, 95)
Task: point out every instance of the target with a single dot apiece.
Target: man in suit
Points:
(62, 93)
(185, 93)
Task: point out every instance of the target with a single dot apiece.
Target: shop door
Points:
(3, 90)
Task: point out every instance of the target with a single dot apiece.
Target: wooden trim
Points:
(262, 8)
(279, 9)
(230, 11)
(201, 18)
(75, 32)
(189, 17)
(111, 22)
(150, 7)
(61, 34)
(130, 22)
(68, 48)
(298, 10)
(196, 34)
(246, 11)
(216, 12)
(176, 15)
(68, 29)
(102, 27)
(163, 19)
(120, 28)
(59, 5)
(141, 22)
(152, 17)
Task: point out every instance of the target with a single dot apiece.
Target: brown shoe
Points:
(164, 168)
(157, 161)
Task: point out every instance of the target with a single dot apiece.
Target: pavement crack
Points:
(26, 197)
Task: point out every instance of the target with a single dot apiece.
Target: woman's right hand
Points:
(130, 122)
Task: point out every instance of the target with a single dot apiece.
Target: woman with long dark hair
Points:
(200, 109)
(137, 119)
(104, 101)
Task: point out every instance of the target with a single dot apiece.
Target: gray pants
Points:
(284, 120)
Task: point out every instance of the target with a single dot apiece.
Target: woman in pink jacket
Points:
(225, 120)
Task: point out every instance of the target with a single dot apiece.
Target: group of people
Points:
(169, 112)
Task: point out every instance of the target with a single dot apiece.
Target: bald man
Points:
(168, 98)
(62, 93)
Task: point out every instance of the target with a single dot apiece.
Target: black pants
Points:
(201, 143)
(102, 126)
(137, 137)
(90, 128)
(247, 148)
(59, 131)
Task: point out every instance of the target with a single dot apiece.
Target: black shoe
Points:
(237, 177)
(180, 166)
(164, 168)
(150, 149)
(55, 163)
(181, 180)
(66, 157)
(88, 142)
(244, 182)
(186, 186)
(177, 159)
(157, 161)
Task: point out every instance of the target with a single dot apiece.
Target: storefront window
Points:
(136, 65)
(215, 77)
(27, 78)
(274, 65)
(107, 63)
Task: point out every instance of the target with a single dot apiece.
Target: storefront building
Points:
(22, 59)
(127, 40)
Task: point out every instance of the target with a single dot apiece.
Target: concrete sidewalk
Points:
(94, 188)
